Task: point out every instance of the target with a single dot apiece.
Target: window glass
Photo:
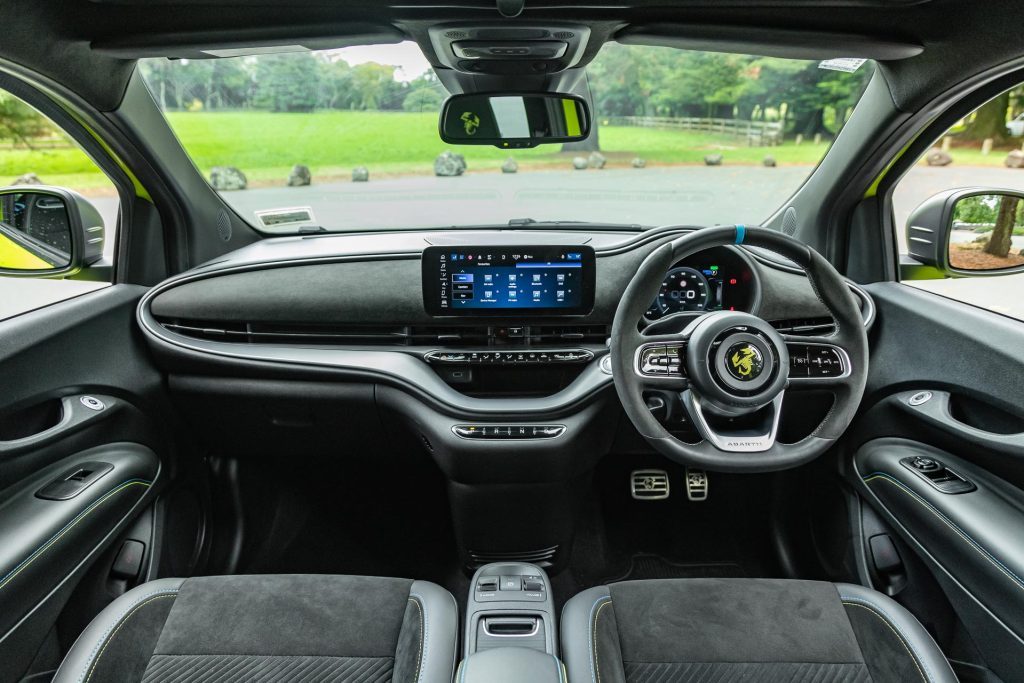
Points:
(49, 169)
(351, 135)
(984, 150)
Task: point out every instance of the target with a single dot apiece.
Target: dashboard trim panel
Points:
(401, 368)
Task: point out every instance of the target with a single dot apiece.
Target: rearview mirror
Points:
(975, 231)
(514, 121)
(47, 231)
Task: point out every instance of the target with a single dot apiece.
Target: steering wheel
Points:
(732, 369)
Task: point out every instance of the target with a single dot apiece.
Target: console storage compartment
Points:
(511, 665)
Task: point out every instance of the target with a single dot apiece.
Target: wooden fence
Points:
(37, 143)
(757, 133)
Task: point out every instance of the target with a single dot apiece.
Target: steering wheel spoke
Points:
(660, 361)
(755, 438)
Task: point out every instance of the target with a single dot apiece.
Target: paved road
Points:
(693, 195)
(651, 196)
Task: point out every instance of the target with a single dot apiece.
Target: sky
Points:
(406, 56)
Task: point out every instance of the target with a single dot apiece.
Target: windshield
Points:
(347, 139)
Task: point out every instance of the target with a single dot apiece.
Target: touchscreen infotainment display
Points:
(508, 281)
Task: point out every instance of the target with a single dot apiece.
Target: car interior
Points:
(268, 450)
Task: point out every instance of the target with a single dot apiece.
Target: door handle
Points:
(933, 407)
(77, 412)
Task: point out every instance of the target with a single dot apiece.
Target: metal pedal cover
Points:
(696, 485)
(649, 484)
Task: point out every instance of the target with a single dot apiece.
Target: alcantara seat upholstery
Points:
(294, 628)
(724, 630)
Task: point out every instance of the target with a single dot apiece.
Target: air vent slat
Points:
(542, 334)
(543, 557)
(805, 327)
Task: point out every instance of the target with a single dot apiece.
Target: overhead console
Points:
(500, 49)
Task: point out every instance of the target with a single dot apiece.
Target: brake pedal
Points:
(649, 484)
(696, 485)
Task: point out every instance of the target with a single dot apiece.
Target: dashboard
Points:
(500, 322)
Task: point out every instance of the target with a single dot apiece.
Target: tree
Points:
(989, 120)
(287, 82)
(423, 99)
(336, 90)
(1006, 220)
(979, 209)
(20, 122)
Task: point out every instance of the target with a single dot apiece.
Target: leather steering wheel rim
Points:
(627, 342)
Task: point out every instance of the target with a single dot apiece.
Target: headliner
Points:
(923, 46)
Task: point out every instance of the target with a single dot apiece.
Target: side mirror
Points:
(965, 232)
(514, 121)
(47, 231)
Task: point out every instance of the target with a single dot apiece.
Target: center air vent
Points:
(543, 557)
(554, 334)
(805, 327)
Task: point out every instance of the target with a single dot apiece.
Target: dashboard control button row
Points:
(817, 361)
(661, 360)
(511, 357)
(488, 431)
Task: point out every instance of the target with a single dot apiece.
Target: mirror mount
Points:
(929, 233)
(510, 120)
(47, 232)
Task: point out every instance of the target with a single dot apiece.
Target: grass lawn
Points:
(265, 145)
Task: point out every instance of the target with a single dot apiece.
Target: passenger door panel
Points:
(81, 457)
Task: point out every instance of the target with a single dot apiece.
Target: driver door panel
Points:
(945, 387)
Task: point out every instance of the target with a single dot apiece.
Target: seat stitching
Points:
(595, 668)
(94, 657)
(419, 657)
(57, 536)
(878, 612)
(424, 637)
(951, 524)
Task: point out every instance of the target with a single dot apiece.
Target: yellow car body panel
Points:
(15, 257)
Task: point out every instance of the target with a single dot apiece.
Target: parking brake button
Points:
(511, 583)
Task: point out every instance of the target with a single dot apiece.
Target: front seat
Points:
(722, 630)
(270, 628)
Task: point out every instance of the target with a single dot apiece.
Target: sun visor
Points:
(768, 42)
(213, 44)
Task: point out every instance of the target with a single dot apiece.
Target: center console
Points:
(510, 605)
(511, 632)
(513, 329)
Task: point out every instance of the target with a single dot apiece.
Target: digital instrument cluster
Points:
(712, 280)
(508, 281)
